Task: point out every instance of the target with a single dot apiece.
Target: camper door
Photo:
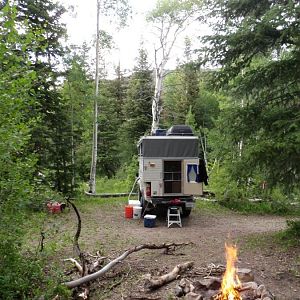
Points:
(191, 184)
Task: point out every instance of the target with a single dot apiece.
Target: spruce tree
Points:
(137, 107)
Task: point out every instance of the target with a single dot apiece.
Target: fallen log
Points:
(154, 283)
(110, 265)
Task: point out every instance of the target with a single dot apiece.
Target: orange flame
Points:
(230, 281)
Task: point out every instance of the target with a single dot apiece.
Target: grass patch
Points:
(85, 203)
(107, 185)
(280, 208)
(284, 239)
(209, 207)
(112, 185)
(291, 236)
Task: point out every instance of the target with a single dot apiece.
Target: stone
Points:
(266, 294)
(208, 283)
(178, 291)
(248, 294)
(183, 282)
(260, 290)
(245, 275)
(186, 289)
(193, 296)
(250, 285)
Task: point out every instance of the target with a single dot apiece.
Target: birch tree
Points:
(121, 9)
(169, 19)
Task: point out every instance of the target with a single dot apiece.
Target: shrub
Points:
(293, 229)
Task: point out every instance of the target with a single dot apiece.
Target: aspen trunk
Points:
(156, 102)
(92, 183)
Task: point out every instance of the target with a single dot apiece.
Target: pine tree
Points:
(137, 107)
(51, 139)
(257, 47)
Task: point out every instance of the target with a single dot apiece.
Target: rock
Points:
(245, 275)
(266, 294)
(193, 296)
(249, 286)
(260, 290)
(248, 294)
(183, 282)
(209, 283)
(186, 289)
(178, 291)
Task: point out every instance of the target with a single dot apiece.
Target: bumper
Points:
(187, 202)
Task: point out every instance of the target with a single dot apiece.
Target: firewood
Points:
(154, 283)
(110, 265)
(76, 264)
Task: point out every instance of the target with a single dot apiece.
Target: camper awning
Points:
(173, 147)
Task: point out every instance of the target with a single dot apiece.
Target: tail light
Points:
(148, 189)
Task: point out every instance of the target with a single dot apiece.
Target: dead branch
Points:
(42, 241)
(77, 234)
(141, 298)
(76, 238)
(154, 283)
(110, 265)
(76, 264)
(84, 295)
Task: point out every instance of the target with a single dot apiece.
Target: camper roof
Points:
(169, 146)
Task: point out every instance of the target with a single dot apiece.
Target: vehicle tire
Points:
(142, 201)
(186, 212)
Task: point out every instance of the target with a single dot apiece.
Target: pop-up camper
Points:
(170, 171)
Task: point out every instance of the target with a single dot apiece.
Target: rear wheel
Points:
(186, 212)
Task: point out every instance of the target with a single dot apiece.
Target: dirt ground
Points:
(104, 228)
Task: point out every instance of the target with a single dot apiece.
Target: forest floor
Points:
(104, 228)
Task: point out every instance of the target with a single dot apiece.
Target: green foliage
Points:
(78, 95)
(137, 107)
(131, 170)
(111, 185)
(173, 10)
(236, 195)
(257, 47)
(108, 152)
(119, 8)
(293, 229)
(23, 275)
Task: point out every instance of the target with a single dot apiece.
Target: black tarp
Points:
(169, 147)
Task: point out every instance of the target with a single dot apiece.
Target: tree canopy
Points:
(256, 46)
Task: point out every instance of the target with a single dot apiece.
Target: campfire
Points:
(230, 282)
(220, 283)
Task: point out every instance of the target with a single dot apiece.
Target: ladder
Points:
(174, 216)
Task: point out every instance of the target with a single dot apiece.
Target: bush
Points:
(293, 229)
(235, 194)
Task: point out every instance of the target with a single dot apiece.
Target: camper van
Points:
(170, 171)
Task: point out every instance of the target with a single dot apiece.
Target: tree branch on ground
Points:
(167, 246)
(154, 283)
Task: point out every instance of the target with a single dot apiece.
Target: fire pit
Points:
(226, 284)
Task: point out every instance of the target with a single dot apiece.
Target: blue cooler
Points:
(149, 221)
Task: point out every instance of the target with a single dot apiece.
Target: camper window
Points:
(192, 172)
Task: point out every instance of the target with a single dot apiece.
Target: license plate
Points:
(189, 204)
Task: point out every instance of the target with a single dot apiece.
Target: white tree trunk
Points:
(92, 183)
(169, 28)
(240, 143)
(156, 101)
